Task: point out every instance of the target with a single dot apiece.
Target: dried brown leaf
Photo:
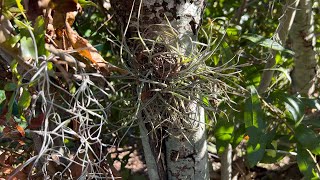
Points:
(21, 130)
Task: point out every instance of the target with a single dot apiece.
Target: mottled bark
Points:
(226, 163)
(187, 154)
(159, 34)
(303, 44)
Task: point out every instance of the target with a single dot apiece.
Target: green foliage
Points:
(308, 139)
(224, 133)
(25, 100)
(10, 87)
(306, 163)
(39, 33)
(276, 123)
(265, 42)
(2, 96)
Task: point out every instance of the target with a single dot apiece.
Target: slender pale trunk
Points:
(285, 24)
(303, 45)
(226, 163)
(186, 154)
(159, 33)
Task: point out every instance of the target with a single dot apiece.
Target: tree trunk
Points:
(303, 45)
(285, 24)
(226, 163)
(158, 35)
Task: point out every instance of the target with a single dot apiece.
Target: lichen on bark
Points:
(303, 44)
(160, 34)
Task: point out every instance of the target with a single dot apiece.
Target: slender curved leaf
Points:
(266, 42)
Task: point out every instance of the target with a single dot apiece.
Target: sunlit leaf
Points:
(284, 71)
(14, 69)
(21, 24)
(27, 48)
(2, 96)
(39, 33)
(255, 126)
(85, 3)
(256, 146)
(295, 107)
(253, 115)
(20, 6)
(238, 134)
(50, 66)
(25, 100)
(13, 40)
(223, 133)
(271, 153)
(233, 32)
(266, 42)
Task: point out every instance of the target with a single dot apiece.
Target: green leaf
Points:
(25, 100)
(226, 52)
(27, 48)
(10, 106)
(295, 107)
(265, 42)
(20, 6)
(271, 156)
(305, 163)
(10, 87)
(85, 3)
(253, 115)
(50, 66)
(14, 70)
(238, 136)
(308, 139)
(205, 101)
(284, 71)
(256, 147)
(233, 31)
(12, 41)
(271, 152)
(9, 3)
(278, 59)
(2, 96)
(39, 32)
(223, 133)
(255, 127)
(21, 25)
(312, 103)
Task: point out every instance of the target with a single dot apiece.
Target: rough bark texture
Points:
(187, 154)
(303, 44)
(163, 31)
